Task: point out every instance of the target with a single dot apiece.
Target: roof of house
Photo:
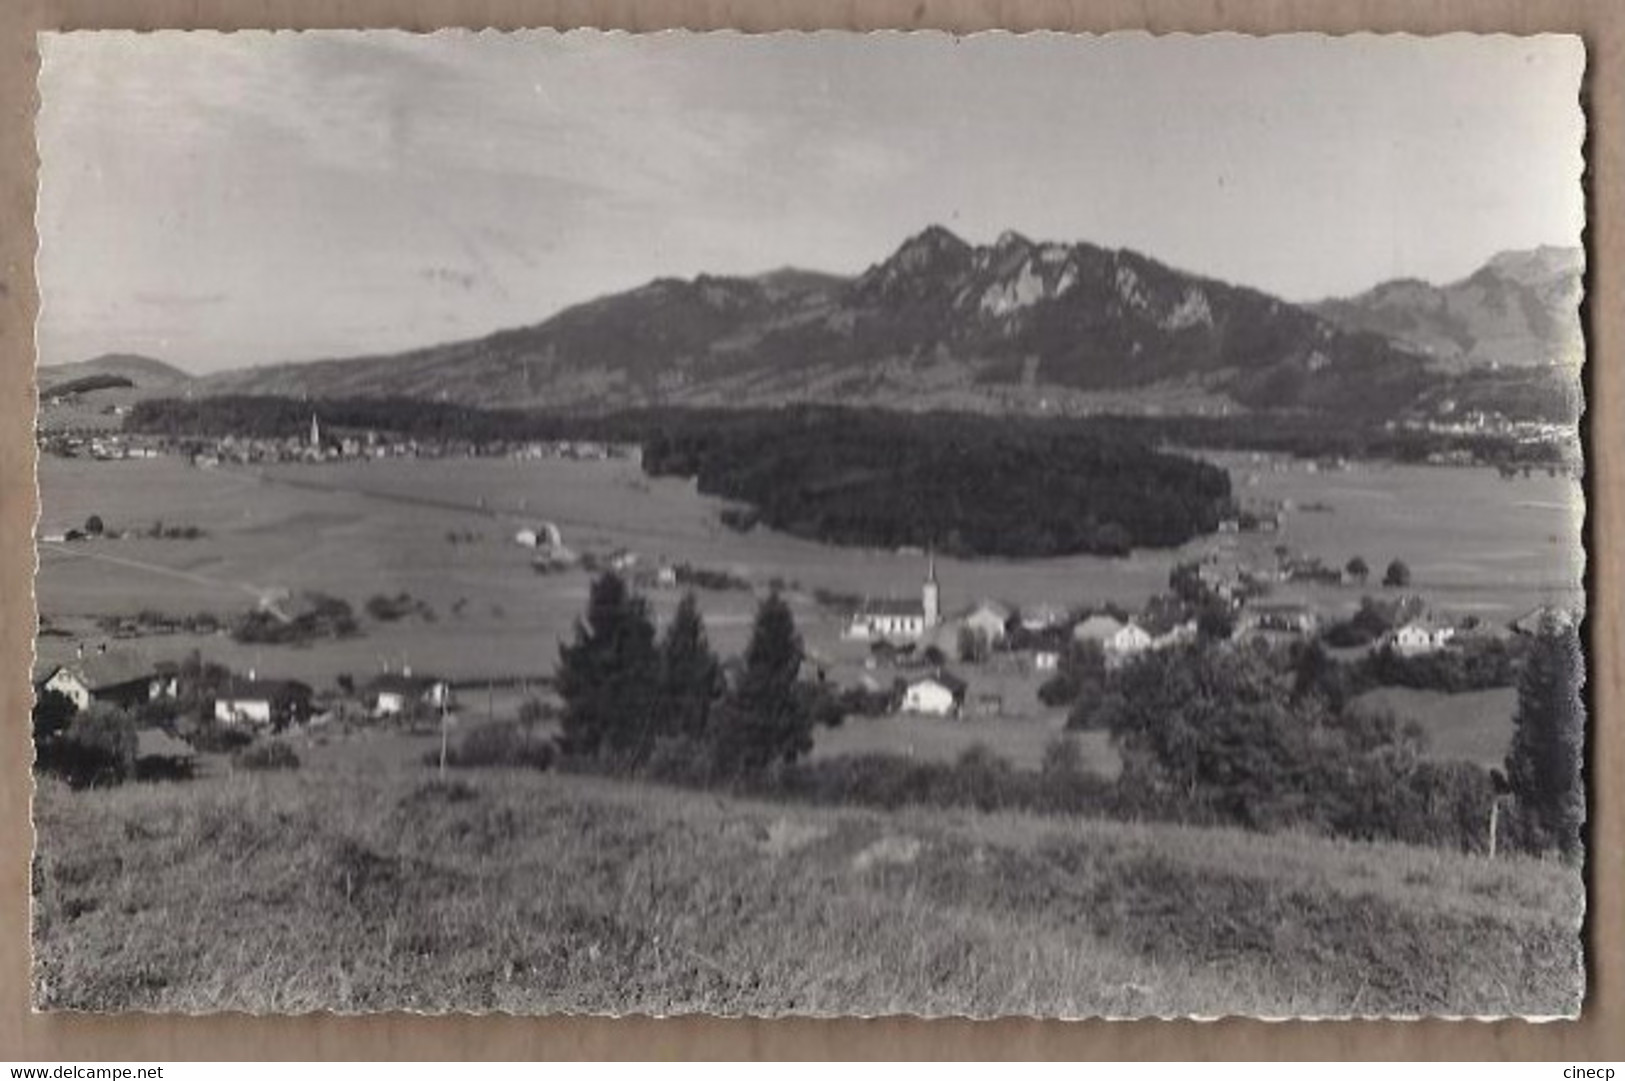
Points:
(1532, 619)
(886, 606)
(156, 743)
(1281, 608)
(263, 690)
(997, 609)
(397, 683)
(946, 680)
(100, 670)
(1425, 623)
(1098, 627)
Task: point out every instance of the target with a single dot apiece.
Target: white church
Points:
(890, 620)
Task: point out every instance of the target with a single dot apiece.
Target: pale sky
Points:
(221, 200)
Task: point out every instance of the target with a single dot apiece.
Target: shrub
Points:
(266, 756)
(1079, 675)
(326, 617)
(53, 712)
(1478, 665)
(386, 609)
(215, 738)
(97, 747)
(499, 744)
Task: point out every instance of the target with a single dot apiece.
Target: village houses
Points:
(1119, 641)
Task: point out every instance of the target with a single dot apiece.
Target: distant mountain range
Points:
(1520, 309)
(144, 372)
(1016, 326)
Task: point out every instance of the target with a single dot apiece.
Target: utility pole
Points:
(443, 737)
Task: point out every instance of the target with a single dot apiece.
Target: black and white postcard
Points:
(810, 524)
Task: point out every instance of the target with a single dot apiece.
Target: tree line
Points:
(1299, 435)
(1268, 738)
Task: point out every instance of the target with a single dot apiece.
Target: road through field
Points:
(257, 592)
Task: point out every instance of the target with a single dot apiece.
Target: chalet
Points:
(275, 703)
(900, 620)
(1279, 618)
(393, 694)
(1118, 640)
(120, 679)
(1419, 636)
(991, 620)
(939, 695)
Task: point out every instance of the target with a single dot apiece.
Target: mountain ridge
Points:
(1016, 326)
(1519, 309)
(144, 371)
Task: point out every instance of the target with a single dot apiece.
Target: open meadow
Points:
(1475, 542)
(352, 887)
(442, 531)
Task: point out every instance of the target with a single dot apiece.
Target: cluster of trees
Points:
(322, 617)
(1302, 435)
(386, 609)
(1266, 739)
(94, 746)
(635, 702)
(1545, 766)
(965, 484)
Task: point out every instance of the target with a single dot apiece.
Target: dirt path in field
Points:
(259, 594)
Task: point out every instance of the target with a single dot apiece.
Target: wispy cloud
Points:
(251, 197)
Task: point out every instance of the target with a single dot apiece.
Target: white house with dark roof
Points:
(120, 678)
(1420, 636)
(939, 695)
(1118, 640)
(393, 693)
(272, 702)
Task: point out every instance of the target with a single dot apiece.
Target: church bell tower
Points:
(931, 593)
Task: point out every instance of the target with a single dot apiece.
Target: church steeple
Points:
(931, 592)
(315, 432)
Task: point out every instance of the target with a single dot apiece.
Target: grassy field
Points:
(1021, 741)
(351, 887)
(1474, 726)
(354, 530)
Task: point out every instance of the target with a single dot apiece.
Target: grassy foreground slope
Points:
(539, 892)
